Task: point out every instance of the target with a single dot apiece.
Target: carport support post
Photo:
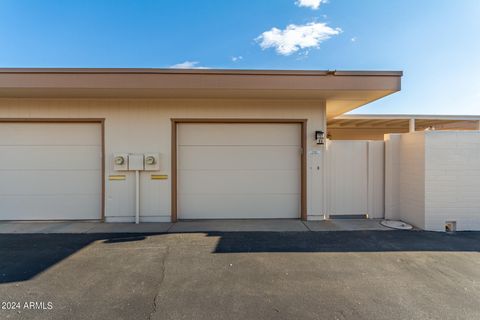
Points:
(411, 125)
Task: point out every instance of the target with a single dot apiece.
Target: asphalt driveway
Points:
(241, 275)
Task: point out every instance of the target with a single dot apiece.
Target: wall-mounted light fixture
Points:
(320, 137)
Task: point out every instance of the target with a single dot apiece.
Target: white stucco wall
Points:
(139, 126)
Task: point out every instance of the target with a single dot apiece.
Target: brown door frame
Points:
(100, 121)
(303, 170)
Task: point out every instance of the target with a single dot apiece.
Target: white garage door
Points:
(50, 171)
(239, 171)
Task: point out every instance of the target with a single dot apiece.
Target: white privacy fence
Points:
(355, 178)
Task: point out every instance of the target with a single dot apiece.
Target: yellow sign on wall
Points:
(159, 176)
(117, 177)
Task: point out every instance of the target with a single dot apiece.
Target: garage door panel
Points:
(49, 182)
(239, 171)
(45, 134)
(239, 134)
(50, 157)
(239, 182)
(52, 207)
(239, 158)
(239, 206)
(50, 171)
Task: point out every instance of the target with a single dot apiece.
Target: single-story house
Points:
(159, 145)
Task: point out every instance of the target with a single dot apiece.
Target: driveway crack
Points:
(306, 226)
(154, 310)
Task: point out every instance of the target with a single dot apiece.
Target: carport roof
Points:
(343, 90)
(400, 122)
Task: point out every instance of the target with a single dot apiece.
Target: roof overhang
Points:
(343, 90)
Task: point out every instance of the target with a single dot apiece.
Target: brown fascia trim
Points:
(197, 71)
(158, 83)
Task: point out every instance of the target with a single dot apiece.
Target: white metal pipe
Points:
(325, 169)
(324, 180)
(137, 196)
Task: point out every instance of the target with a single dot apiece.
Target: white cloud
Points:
(313, 4)
(296, 37)
(237, 58)
(188, 65)
(354, 39)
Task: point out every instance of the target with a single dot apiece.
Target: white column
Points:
(411, 125)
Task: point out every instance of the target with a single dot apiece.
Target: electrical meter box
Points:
(120, 161)
(152, 161)
(135, 162)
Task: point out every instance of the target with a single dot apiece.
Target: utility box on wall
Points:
(135, 162)
(120, 161)
(152, 161)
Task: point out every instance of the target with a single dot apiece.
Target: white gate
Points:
(355, 178)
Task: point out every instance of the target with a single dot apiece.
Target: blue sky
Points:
(436, 43)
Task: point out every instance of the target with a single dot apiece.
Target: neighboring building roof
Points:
(343, 90)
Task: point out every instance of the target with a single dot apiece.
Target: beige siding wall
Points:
(144, 126)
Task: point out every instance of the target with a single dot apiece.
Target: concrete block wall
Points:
(392, 176)
(432, 177)
(412, 178)
(452, 179)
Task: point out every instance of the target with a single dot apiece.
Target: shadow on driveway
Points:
(23, 256)
(351, 241)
